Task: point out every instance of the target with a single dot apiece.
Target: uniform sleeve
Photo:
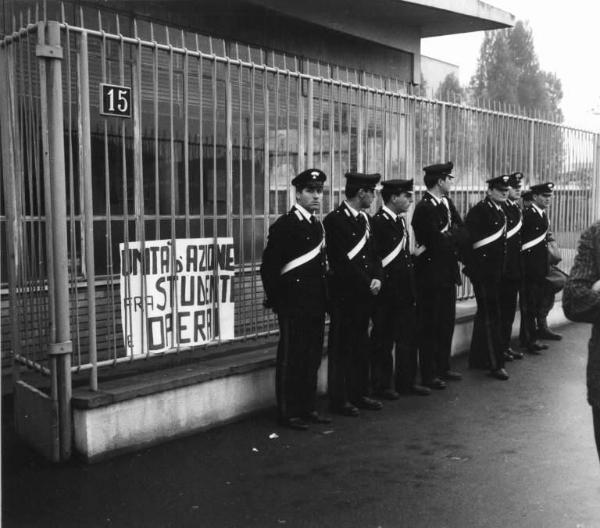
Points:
(425, 226)
(377, 268)
(272, 262)
(337, 254)
(580, 303)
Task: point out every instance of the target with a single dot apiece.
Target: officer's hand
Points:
(418, 250)
(596, 286)
(375, 286)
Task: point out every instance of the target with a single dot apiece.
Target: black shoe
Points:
(316, 418)
(450, 375)
(368, 403)
(435, 383)
(420, 390)
(500, 374)
(346, 409)
(535, 347)
(546, 333)
(294, 423)
(508, 356)
(516, 354)
(388, 394)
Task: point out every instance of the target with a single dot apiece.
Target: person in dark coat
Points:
(439, 228)
(394, 357)
(355, 281)
(581, 303)
(485, 264)
(293, 272)
(511, 276)
(534, 254)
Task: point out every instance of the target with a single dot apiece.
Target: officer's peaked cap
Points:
(499, 182)
(514, 179)
(398, 186)
(542, 188)
(309, 178)
(443, 169)
(363, 180)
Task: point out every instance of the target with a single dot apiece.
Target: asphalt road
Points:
(483, 453)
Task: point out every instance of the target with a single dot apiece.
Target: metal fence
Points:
(210, 150)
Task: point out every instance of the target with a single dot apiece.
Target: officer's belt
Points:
(394, 253)
(514, 230)
(356, 249)
(445, 228)
(488, 240)
(534, 242)
(302, 259)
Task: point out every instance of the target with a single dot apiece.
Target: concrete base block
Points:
(150, 418)
(132, 424)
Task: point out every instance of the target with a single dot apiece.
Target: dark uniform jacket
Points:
(350, 279)
(582, 304)
(485, 255)
(514, 224)
(535, 258)
(398, 280)
(438, 265)
(303, 289)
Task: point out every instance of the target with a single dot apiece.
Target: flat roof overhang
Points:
(367, 18)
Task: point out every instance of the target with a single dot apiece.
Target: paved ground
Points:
(484, 453)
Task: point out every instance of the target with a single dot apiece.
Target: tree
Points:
(450, 89)
(508, 71)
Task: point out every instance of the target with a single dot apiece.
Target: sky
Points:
(566, 37)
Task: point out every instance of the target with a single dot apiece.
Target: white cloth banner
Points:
(180, 298)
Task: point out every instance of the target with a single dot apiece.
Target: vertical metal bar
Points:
(229, 152)
(174, 201)
(59, 240)
(186, 139)
(443, 132)
(301, 140)
(138, 178)
(310, 148)
(596, 178)
(530, 160)
(156, 131)
(201, 136)
(266, 154)
(85, 158)
(360, 154)
(253, 271)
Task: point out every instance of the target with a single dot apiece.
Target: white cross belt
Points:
(515, 229)
(302, 259)
(488, 240)
(394, 253)
(534, 242)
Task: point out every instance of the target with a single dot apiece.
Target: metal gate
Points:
(210, 148)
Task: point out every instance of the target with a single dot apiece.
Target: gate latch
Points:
(50, 52)
(59, 349)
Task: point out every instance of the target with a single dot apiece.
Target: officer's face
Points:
(310, 198)
(366, 197)
(514, 193)
(498, 195)
(445, 184)
(542, 200)
(402, 202)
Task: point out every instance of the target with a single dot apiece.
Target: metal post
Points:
(595, 212)
(85, 158)
(443, 133)
(10, 201)
(531, 148)
(61, 348)
(309, 125)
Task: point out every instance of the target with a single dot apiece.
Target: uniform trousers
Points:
(394, 346)
(298, 359)
(487, 343)
(509, 292)
(348, 352)
(531, 302)
(436, 309)
(596, 416)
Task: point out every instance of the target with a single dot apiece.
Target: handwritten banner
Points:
(178, 297)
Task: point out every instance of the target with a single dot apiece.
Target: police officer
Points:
(485, 260)
(355, 281)
(439, 227)
(534, 254)
(511, 277)
(393, 336)
(293, 274)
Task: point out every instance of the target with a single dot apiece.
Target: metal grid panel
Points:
(212, 148)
